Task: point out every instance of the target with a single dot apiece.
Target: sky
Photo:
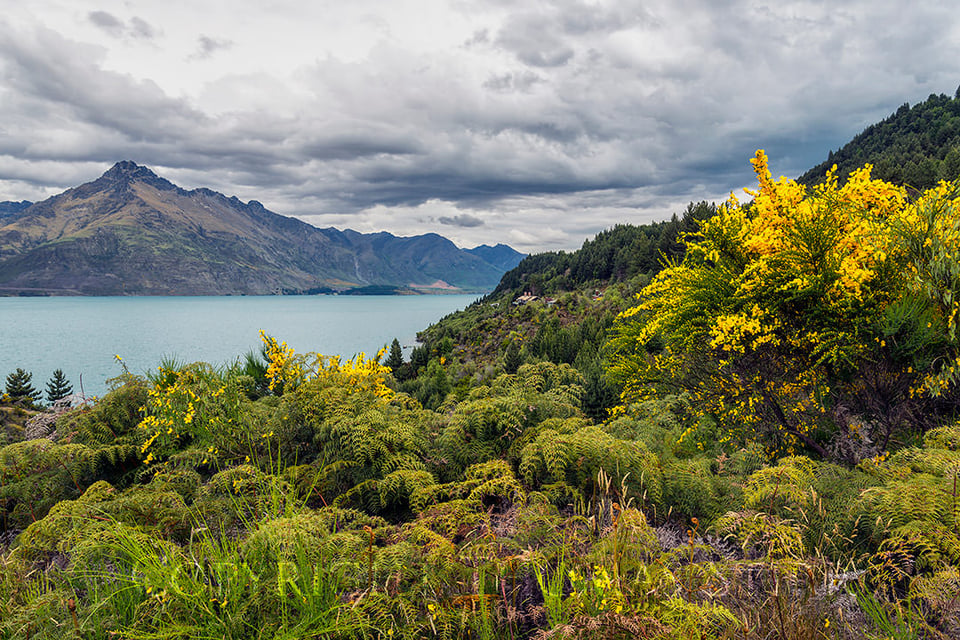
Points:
(534, 123)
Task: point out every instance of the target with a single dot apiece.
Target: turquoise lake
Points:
(81, 335)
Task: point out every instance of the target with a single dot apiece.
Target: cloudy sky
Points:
(536, 123)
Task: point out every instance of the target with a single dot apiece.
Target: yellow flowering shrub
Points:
(802, 317)
(195, 401)
(287, 370)
(188, 405)
(341, 416)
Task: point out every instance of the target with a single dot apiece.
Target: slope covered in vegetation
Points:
(775, 453)
(554, 307)
(916, 146)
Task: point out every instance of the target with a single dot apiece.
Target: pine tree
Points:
(419, 358)
(395, 359)
(512, 359)
(19, 387)
(58, 387)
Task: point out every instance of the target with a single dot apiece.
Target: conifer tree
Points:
(19, 387)
(512, 359)
(395, 359)
(58, 387)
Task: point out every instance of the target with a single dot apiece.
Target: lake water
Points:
(81, 335)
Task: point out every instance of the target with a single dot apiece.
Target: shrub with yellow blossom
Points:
(345, 421)
(189, 405)
(825, 320)
(287, 370)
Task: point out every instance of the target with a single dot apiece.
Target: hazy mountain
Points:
(133, 232)
(500, 256)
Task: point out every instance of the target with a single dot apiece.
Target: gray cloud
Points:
(462, 220)
(535, 47)
(553, 121)
(114, 26)
(58, 87)
(207, 46)
(519, 81)
(139, 28)
(107, 21)
(479, 37)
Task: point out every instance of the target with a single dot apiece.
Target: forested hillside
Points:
(916, 146)
(741, 423)
(615, 255)
(554, 307)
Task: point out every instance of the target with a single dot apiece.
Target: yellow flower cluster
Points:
(596, 594)
(838, 232)
(184, 405)
(776, 296)
(283, 368)
(288, 370)
(740, 332)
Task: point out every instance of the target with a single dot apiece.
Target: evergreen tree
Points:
(435, 386)
(58, 387)
(19, 387)
(512, 358)
(419, 358)
(395, 359)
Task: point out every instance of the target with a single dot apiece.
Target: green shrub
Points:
(782, 489)
(576, 458)
(37, 474)
(65, 525)
(239, 496)
(690, 490)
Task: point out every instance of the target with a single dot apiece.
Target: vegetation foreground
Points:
(765, 444)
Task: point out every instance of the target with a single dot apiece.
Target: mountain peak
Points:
(501, 256)
(132, 232)
(127, 168)
(127, 171)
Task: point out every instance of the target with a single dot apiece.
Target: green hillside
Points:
(916, 146)
(614, 255)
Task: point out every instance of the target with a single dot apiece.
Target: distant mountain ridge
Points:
(131, 232)
(10, 208)
(499, 255)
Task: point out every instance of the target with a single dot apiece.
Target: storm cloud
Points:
(538, 123)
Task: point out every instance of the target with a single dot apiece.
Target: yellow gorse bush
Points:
(780, 304)
(195, 404)
(287, 370)
(184, 405)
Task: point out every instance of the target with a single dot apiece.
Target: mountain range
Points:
(131, 232)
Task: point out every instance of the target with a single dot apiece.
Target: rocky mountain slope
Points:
(131, 232)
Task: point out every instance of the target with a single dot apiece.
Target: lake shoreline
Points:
(82, 334)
